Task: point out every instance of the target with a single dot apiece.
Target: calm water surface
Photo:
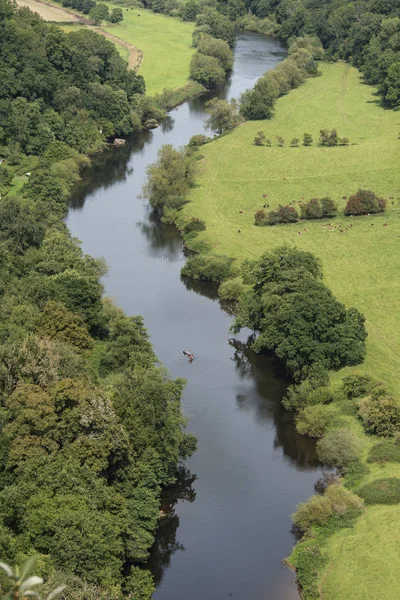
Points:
(228, 522)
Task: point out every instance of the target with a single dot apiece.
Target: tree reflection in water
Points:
(166, 544)
(269, 388)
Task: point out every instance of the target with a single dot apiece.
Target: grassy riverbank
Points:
(361, 265)
(166, 44)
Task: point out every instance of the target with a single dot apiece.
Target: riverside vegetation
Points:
(348, 547)
(91, 426)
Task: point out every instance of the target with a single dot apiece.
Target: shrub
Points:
(364, 202)
(344, 141)
(309, 562)
(307, 139)
(380, 414)
(219, 49)
(384, 452)
(208, 268)
(231, 289)
(357, 386)
(280, 140)
(339, 448)
(314, 420)
(381, 491)
(328, 138)
(319, 209)
(260, 217)
(197, 140)
(326, 479)
(321, 395)
(328, 207)
(342, 499)
(259, 139)
(316, 511)
(295, 142)
(194, 225)
(311, 210)
(206, 70)
(284, 214)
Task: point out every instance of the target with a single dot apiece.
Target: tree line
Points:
(91, 425)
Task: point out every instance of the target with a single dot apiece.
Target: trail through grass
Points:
(166, 45)
(362, 263)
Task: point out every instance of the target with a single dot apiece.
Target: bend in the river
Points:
(227, 530)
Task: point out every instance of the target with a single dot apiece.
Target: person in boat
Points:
(191, 356)
(185, 352)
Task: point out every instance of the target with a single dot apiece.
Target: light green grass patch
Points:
(166, 45)
(366, 563)
(362, 264)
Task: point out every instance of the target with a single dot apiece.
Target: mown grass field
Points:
(366, 558)
(361, 264)
(166, 45)
(49, 13)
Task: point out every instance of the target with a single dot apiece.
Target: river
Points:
(227, 525)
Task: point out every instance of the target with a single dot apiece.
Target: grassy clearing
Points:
(362, 264)
(373, 541)
(166, 46)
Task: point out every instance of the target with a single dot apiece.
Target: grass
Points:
(361, 265)
(166, 46)
(374, 540)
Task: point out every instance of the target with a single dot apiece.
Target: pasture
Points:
(50, 12)
(360, 255)
(166, 45)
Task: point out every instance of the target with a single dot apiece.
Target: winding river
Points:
(227, 524)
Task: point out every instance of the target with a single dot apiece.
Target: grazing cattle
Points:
(241, 212)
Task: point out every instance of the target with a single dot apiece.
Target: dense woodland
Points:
(91, 426)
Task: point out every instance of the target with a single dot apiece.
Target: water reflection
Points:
(166, 544)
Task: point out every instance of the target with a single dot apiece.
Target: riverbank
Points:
(359, 256)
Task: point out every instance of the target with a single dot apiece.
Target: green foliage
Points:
(99, 13)
(217, 48)
(307, 139)
(297, 317)
(339, 448)
(284, 214)
(197, 140)
(364, 202)
(319, 209)
(223, 117)
(231, 289)
(207, 70)
(116, 15)
(309, 562)
(208, 268)
(169, 179)
(384, 452)
(357, 386)
(314, 420)
(22, 582)
(381, 491)
(380, 414)
(259, 139)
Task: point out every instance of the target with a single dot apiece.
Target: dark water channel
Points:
(228, 522)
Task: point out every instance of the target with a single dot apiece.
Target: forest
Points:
(91, 425)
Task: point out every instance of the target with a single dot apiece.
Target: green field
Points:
(374, 542)
(166, 45)
(362, 264)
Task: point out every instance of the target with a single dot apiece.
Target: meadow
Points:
(166, 44)
(361, 260)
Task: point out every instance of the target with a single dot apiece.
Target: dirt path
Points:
(59, 14)
(135, 55)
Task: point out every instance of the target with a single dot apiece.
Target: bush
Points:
(194, 225)
(364, 202)
(314, 420)
(328, 207)
(197, 140)
(380, 413)
(284, 214)
(307, 139)
(339, 448)
(206, 70)
(342, 499)
(219, 49)
(295, 142)
(381, 491)
(231, 289)
(208, 268)
(384, 452)
(326, 479)
(321, 395)
(319, 209)
(357, 386)
(259, 139)
(316, 511)
(260, 217)
(328, 138)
